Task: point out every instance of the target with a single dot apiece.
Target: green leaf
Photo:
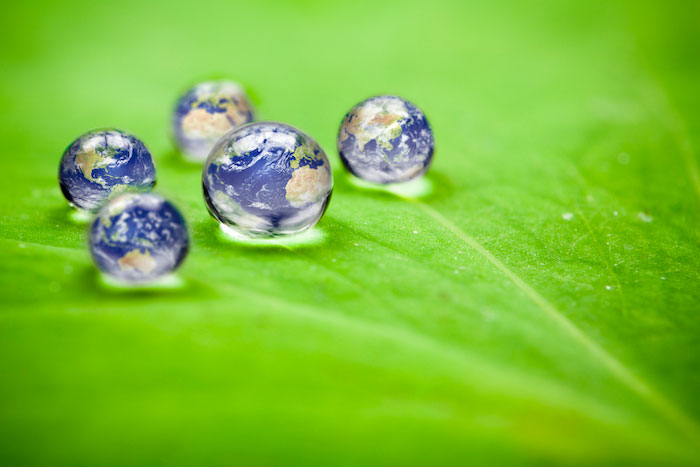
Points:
(533, 301)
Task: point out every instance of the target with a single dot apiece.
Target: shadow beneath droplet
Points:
(67, 214)
(168, 282)
(80, 217)
(171, 285)
(431, 187)
(221, 235)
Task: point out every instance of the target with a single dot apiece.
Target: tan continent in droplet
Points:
(89, 160)
(199, 123)
(307, 185)
(385, 119)
(351, 126)
(373, 123)
(238, 113)
(134, 259)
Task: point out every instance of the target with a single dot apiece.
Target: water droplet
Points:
(415, 231)
(608, 287)
(645, 216)
(615, 213)
(567, 216)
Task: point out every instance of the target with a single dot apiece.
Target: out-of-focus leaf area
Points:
(534, 300)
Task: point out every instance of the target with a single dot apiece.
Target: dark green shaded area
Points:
(538, 306)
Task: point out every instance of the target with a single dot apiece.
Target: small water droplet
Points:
(615, 213)
(623, 158)
(415, 231)
(645, 216)
(567, 216)
(357, 244)
(608, 287)
(663, 278)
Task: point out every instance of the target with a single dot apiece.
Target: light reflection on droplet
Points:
(415, 189)
(312, 236)
(167, 282)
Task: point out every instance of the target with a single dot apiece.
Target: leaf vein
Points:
(645, 391)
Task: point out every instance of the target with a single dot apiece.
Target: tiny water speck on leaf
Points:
(567, 216)
(645, 217)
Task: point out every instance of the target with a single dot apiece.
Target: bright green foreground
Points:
(540, 306)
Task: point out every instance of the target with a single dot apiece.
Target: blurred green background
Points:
(539, 306)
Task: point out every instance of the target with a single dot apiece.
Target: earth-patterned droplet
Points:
(386, 139)
(138, 237)
(267, 179)
(102, 163)
(205, 113)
